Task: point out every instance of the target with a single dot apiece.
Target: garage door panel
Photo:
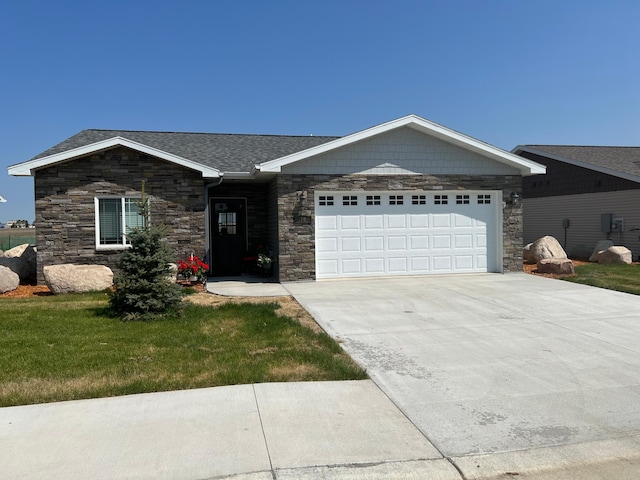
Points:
(441, 241)
(327, 245)
(350, 222)
(374, 244)
(350, 244)
(419, 242)
(463, 241)
(351, 266)
(442, 263)
(372, 222)
(388, 236)
(441, 220)
(420, 264)
(464, 262)
(419, 221)
(396, 243)
(396, 221)
(328, 223)
(374, 266)
(398, 265)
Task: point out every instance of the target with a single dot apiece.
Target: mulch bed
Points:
(27, 290)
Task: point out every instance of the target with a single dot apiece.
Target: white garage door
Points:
(405, 233)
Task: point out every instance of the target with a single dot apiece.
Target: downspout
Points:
(207, 221)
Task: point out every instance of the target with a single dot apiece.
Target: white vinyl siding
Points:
(544, 216)
(399, 152)
(115, 217)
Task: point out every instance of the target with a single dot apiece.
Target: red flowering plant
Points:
(193, 267)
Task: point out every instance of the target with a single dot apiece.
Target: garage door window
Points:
(396, 199)
(418, 200)
(484, 199)
(462, 199)
(349, 200)
(373, 199)
(325, 200)
(441, 199)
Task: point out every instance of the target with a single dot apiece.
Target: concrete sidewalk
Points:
(262, 431)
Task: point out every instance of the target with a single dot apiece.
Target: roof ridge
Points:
(577, 146)
(208, 133)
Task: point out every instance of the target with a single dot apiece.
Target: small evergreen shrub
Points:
(144, 289)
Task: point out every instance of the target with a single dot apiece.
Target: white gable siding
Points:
(401, 151)
(543, 216)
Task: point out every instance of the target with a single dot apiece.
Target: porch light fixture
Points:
(514, 199)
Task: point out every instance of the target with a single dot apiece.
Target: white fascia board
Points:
(28, 168)
(578, 163)
(526, 167)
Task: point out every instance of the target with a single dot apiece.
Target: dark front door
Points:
(229, 235)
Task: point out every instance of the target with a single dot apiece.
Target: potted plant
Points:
(193, 269)
(265, 260)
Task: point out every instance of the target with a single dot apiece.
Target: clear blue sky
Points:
(506, 72)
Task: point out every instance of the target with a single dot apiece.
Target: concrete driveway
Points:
(492, 363)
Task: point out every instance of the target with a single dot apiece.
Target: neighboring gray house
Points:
(403, 198)
(588, 194)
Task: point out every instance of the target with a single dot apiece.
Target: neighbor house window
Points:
(115, 217)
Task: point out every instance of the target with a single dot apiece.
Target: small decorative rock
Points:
(68, 278)
(9, 280)
(600, 246)
(21, 260)
(616, 254)
(546, 247)
(557, 266)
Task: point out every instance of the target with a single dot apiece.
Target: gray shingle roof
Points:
(625, 160)
(226, 152)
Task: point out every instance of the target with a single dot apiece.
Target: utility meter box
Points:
(617, 225)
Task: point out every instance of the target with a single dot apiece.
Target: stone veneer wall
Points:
(65, 211)
(296, 217)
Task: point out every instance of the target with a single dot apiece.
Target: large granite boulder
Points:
(616, 254)
(557, 266)
(68, 278)
(545, 247)
(600, 246)
(9, 280)
(581, 252)
(21, 260)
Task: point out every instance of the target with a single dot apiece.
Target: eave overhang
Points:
(525, 166)
(28, 168)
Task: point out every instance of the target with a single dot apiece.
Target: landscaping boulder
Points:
(68, 278)
(21, 260)
(546, 247)
(600, 246)
(616, 254)
(557, 266)
(581, 252)
(527, 254)
(9, 280)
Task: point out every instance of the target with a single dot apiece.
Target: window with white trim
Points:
(483, 199)
(396, 199)
(115, 217)
(349, 200)
(440, 199)
(418, 200)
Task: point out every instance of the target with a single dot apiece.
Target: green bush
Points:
(144, 289)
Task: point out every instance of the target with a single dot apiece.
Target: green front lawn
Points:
(66, 347)
(623, 278)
